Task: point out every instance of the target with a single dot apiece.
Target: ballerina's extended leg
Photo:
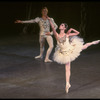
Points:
(85, 46)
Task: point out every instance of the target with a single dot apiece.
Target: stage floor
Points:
(22, 76)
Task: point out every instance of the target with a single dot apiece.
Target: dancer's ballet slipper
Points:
(38, 57)
(67, 87)
(96, 42)
(47, 60)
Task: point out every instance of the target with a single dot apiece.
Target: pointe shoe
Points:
(96, 42)
(38, 57)
(47, 60)
(67, 87)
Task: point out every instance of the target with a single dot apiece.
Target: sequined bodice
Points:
(63, 42)
(44, 26)
(62, 39)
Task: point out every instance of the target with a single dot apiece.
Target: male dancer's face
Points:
(44, 12)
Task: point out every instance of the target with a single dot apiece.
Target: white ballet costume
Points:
(44, 28)
(67, 50)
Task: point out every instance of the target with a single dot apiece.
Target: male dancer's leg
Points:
(50, 43)
(42, 43)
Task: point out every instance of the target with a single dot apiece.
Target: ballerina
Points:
(69, 46)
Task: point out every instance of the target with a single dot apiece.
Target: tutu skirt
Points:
(69, 53)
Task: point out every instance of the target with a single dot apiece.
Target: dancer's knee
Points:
(86, 46)
(51, 47)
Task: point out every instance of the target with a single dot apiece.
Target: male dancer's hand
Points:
(18, 21)
(48, 33)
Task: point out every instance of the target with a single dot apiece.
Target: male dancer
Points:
(44, 32)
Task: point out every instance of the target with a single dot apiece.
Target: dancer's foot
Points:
(67, 87)
(38, 57)
(47, 60)
(96, 42)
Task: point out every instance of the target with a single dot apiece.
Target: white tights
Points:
(85, 46)
(42, 43)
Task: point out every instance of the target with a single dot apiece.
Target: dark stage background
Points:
(23, 76)
(83, 16)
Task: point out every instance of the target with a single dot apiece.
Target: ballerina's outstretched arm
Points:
(72, 34)
(53, 28)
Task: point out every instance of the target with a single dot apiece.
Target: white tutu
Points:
(68, 50)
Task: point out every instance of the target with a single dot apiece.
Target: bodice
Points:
(63, 43)
(44, 25)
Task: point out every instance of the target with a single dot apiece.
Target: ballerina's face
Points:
(62, 27)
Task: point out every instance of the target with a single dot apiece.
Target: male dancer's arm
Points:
(36, 20)
(55, 25)
(53, 28)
